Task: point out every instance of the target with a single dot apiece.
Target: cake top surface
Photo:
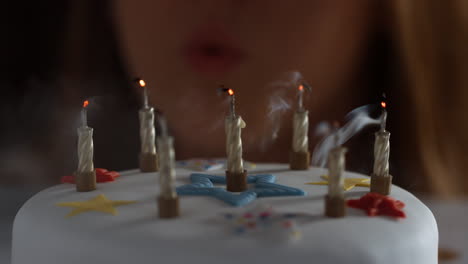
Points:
(137, 225)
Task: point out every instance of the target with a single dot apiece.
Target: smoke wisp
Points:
(356, 121)
(280, 102)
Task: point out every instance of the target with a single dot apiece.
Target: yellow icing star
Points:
(99, 203)
(349, 183)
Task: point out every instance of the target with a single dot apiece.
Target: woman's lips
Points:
(212, 52)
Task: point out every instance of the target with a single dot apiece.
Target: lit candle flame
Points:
(84, 118)
(142, 84)
(230, 92)
(383, 119)
(301, 88)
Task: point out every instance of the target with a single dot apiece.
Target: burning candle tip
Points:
(383, 101)
(224, 89)
(84, 115)
(304, 86)
(230, 92)
(140, 81)
(301, 88)
(383, 119)
(142, 84)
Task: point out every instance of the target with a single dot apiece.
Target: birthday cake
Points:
(118, 222)
(232, 213)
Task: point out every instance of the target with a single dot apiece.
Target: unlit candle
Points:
(336, 167)
(167, 167)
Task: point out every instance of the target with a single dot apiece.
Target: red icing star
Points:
(102, 175)
(378, 204)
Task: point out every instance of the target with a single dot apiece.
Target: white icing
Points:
(42, 234)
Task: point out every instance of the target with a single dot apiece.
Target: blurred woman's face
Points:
(185, 48)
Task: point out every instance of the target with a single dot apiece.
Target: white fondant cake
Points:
(42, 234)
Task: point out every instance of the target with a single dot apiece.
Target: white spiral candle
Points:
(233, 126)
(85, 149)
(300, 131)
(167, 165)
(382, 146)
(336, 167)
(381, 153)
(147, 132)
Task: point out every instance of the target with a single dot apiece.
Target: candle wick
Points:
(145, 97)
(84, 118)
(383, 120)
(233, 106)
(300, 103)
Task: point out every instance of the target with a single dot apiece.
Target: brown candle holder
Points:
(299, 160)
(335, 206)
(236, 182)
(381, 184)
(149, 162)
(85, 181)
(168, 207)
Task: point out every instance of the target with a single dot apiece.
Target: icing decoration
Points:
(208, 164)
(264, 222)
(203, 185)
(102, 175)
(349, 183)
(99, 203)
(201, 165)
(378, 204)
(202, 228)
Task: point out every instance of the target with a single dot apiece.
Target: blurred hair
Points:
(433, 39)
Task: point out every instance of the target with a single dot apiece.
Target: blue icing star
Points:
(264, 186)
